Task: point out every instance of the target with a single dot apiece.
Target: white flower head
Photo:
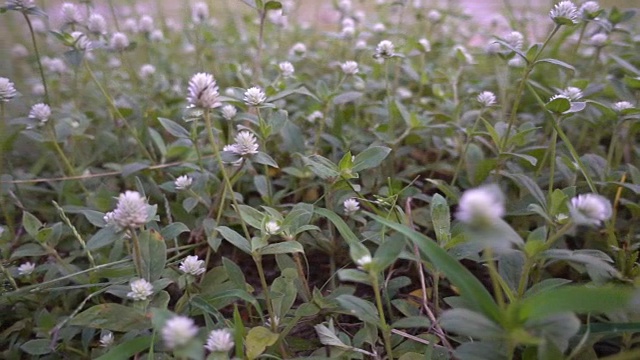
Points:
(482, 206)
(426, 45)
(486, 98)
(145, 24)
(37, 89)
(272, 227)
(21, 4)
(119, 41)
(7, 90)
(131, 210)
(147, 70)
(315, 116)
(254, 96)
(298, 49)
(156, 35)
(178, 331)
(71, 14)
(106, 340)
(183, 182)
(141, 289)
(434, 15)
(460, 50)
(364, 261)
(97, 24)
(19, 51)
(590, 209)
(564, 13)
(219, 341)
(351, 206)
(599, 39)
(515, 62)
(572, 92)
(361, 44)
(349, 67)
(385, 49)
(515, 40)
(246, 143)
(286, 68)
(589, 9)
(229, 112)
(81, 41)
(344, 6)
(379, 28)
(192, 265)
(622, 105)
(200, 12)
(54, 65)
(203, 91)
(26, 269)
(40, 112)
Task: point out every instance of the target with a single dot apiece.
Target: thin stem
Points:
(83, 244)
(4, 205)
(576, 157)
(257, 258)
(552, 158)
(386, 333)
(35, 48)
(258, 62)
(494, 275)
(612, 147)
(137, 255)
(466, 147)
(7, 274)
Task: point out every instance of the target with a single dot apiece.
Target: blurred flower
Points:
(147, 70)
(141, 289)
(315, 116)
(385, 49)
(598, 40)
(156, 35)
(183, 182)
(426, 45)
(200, 12)
(81, 41)
(145, 24)
(573, 93)
(229, 112)
(486, 98)
(7, 90)
(219, 341)
(54, 65)
(349, 67)
(434, 16)
(19, 51)
(286, 68)
(131, 210)
(515, 62)
(70, 14)
(379, 28)
(96, 24)
(178, 331)
(515, 40)
(590, 209)
(106, 340)
(203, 91)
(26, 269)
(119, 41)
(364, 261)
(344, 6)
(298, 49)
(589, 9)
(482, 206)
(40, 112)
(192, 265)
(254, 96)
(271, 227)
(351, 206)
(564, 13)
(622, 105)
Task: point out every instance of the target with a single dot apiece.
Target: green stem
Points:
(137, 255)
(552, 158)
(83, 244)
(35, 48)
(466, 147)
(3, 204)
(257, 258)
(7, 274)
(576, 157)
(494, 276)
(612, 148)
(384, 327)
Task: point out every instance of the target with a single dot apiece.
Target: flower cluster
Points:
(131, 210)
(141, 289)
(192, 265)
(203, 91)
(482, 206)
(246, 144)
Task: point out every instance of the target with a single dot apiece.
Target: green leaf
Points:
(580, 299)
(235, 239)
(133, 168)
(470, 288)
(470, 323)
(360, 308)
(286, 247)
(557, 62)
(114, 317)
(154, 254)
(328, 337)
(412, 322)
(129, 348)
(31, 223)
(441, 218)
(172, 230)
(387, 253)
(321, 166)
(347, 97)
(354, 275)
(272, 5)
(370, 158)
(251, 216)
(340, 225)
(529, 184)
(174, 128)
(96, 218)
(558, 105)
(37, 347)
(264, 159)
(257, 341)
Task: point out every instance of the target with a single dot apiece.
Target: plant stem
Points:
(494, 275)
(612, 147)
(466, 147)
(137, 255)
(4, 205)
(552, 157)
(35, 48)
(384, 327)
(257, 258)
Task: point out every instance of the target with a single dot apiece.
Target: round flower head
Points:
(119, 41)
(156, 35)
(21, 4)
(183, 182)
(178, 331)
(229, 112)
(131, 211)
(598, 40)
(298, 49)
(573, 93)
(481, 206)
(147, 70)
(344, 6)
(254, 96)
(590, 209)
(379, 28)
(589, 9)
(40, 112)
(515, 40)
(364, 261)
(246, 143)
(385, 49)
(271, 227)
(351, 206)
(26, 268)
(141, 289)
(426, 45)
(219, 341)
(192, 265)
(54, 65)
(7, 90)
(486, 98)
(81, 41)
(97, 24)
(564, 13)
(200, 12)
(622, 105)
(70, 14)
(106, 340)
(286, 68)
(516, 62)
(434, 16)
(19, 51)
(349, 67)
(315, 116)
(145, 24)
(203, 91)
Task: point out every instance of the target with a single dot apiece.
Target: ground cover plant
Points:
(396, 182)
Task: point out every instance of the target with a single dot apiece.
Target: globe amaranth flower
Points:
(482, 206)
(486, 98)
(20, 4)
(364, 261)
(26, 269)
(351, 206)
(200, 12)
(40, 112)
(590, 209)
(219, 341)
(572, 92)
(147, 70)
(178, 331)
(316, 115)
(70, 14)
(589, 9)
(81, 42)
(515, 40)
(349, 67)
(272, 227)
(7, 90)
(622, 105)
(106, 340)
(203, 91)
(97, 24)
(183, 182)
(434, 16)
(229, 112)
(192, 265)
(246, 144)
(298, 49)
(254, 96)
(145, 24)
(598, 40)
(426, 44)
(131, 210)
(564, 13)
(286, 69)
(385, 49)
(141, 289)
(119, 41)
